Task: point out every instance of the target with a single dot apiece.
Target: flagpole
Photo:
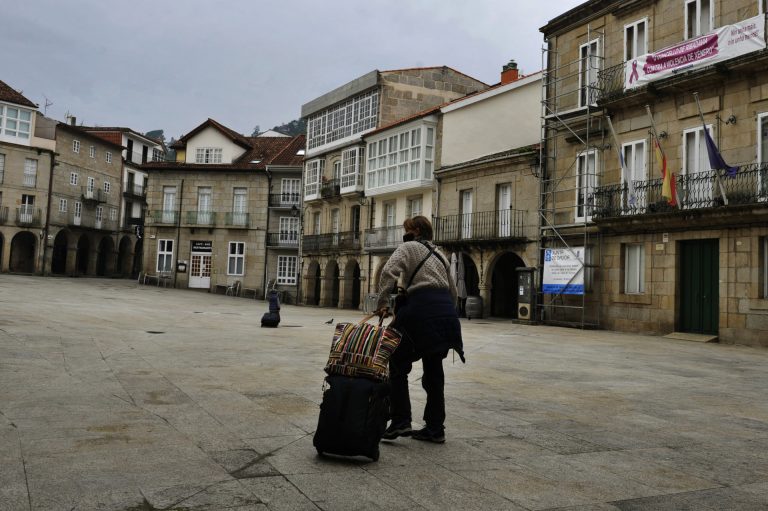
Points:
(624, 170)
(656, 137)
(717, 171)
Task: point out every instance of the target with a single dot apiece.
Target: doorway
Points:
(504, 292)
(699, 283)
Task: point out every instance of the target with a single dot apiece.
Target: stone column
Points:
(71, 265)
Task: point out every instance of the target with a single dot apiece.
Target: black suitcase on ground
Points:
(353, 416)
(270, 319)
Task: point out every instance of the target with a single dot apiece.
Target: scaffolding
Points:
(572, 141)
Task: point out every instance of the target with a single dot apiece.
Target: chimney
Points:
(72, 120)
(509, 73)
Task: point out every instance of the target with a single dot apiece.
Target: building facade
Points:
(27, 149)
(684, 254)
(209, 219)
(334, 269)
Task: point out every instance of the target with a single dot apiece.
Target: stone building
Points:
(215, 210)
(335, 272)
(26, 161)
(649, 258)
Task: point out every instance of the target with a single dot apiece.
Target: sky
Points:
(171, 64)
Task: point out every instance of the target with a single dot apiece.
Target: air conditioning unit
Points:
(524, 311)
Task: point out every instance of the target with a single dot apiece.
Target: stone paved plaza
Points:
(118, 396)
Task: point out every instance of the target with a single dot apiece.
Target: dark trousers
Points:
(433, 381)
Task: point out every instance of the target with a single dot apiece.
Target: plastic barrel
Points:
(474, 307)
(370, 303)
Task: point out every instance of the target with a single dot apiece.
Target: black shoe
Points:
(429, 435)
(396, 430)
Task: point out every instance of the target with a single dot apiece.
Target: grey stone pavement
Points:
(116, 396)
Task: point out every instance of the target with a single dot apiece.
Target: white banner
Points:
(563, 271)
(722, 44)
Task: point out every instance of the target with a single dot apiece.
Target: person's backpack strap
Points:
(421, 263)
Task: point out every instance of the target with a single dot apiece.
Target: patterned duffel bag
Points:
(362, 349)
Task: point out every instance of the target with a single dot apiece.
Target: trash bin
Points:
(474, 307)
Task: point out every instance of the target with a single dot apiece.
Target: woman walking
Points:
(427, 318)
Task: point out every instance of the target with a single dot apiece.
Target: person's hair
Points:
(421, 224)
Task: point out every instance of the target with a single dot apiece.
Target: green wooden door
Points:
(699, 281)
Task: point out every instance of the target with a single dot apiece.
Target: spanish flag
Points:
(668, 187)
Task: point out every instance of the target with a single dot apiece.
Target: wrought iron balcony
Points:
(92, 195)
(383, 238)
(204, 218)
(330, 188)
(694, 191)
(610, 82)
(164, 217)
(287, 239)
(28, 216)
(499, 225)
(333, 242)
(284, 200)
(3, 215)
(135, 190)
(237, 220)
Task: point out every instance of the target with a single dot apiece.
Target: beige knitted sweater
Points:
(404, 260)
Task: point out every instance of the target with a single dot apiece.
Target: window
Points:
(208, 155)
(289, 230)
(2, 167)
(74, 178)
(343, 120)
(350, 167)
(236, 260)
(286, 270)
(429, 150)
(336, 170)
(62, 205)
(586, 180)
(30, 172)
(762, 156)
(157, 155)
(589, 65)
(635, 39)
(27, 209)
(164, 255)
(15, 122)
(89, 188)
(78, 209)
(239, 206)
(204, 194)
(109, 157)
(414, 207)
(113, 214)
(699, 17)
(99, 215)
(635, 161)
(169, 204)
(92, 152)
(315, 169)
(398, 159)
(465, 203)
(634, 269)
(504, 209)
(75, 146)
(107, 186)
(316, 222)
(289, 190)
(764, 265)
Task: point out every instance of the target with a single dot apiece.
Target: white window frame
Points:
(402, 157)
(74, 178)
(586, 182)
(62, 205)
(236, 258)
(632, 151)
(208, 155)
(634, 268)
(204, 204)
(30, 172)
(316, 222)
(466, 202)
(343, 119)
(169, 204)
(107, 186)
(164, 253)
(586, 89)
(762, 157)
(290, 190)
(634, 39)
(109, 157)
(691, 32)
(417, 201)
(2, 168)
(351, 174)
(689, 168)
(78, 209)
(239, 205)
(287, 269)
(289, 230)
(92, 151)
(15, 122)
(764, 264)
(314, 171)
(76, 146)
(113, 214)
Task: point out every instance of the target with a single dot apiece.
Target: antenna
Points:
(48, 103)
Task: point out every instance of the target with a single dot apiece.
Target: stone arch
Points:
(471, 284)
(105, 257)
(352, 285)
(124, 259)
(83, 255)
(331, 289)
(503, 284)
(314, 279)
(60, 253)
(23, 250)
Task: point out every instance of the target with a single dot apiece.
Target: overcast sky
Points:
(171, 64)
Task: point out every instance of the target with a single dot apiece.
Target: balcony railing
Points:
(92, 195)
(201, 218)
(165, 217)
(314, 243)
(330, 188)
(288, 239)
(28, 216)
(284, 200)
(3, 215)
(504, 224)
(241, 220)
(694, 191)
(383, 238)
(610, 82)
(135, 190)
(130, 222)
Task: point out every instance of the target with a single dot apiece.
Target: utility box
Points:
(526, 294)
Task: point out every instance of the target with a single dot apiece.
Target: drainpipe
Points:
(46, 227)
(266, 231)
(178, 232)
(370, 258)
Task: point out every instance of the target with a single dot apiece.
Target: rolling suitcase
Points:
(270, 319)
(353, 417)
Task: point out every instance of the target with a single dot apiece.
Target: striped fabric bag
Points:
(362, 349)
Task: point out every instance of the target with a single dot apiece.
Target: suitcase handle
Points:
(381, 319)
